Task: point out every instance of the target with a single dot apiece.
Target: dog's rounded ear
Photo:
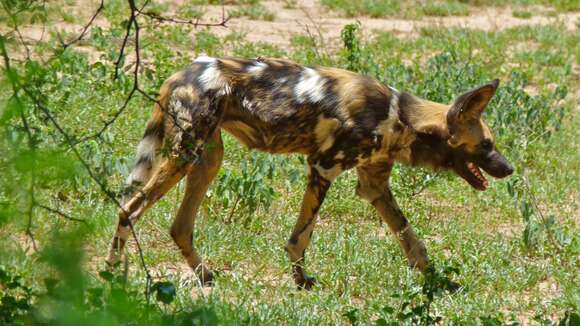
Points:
(470, 105)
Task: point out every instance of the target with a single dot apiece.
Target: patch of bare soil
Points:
(309, 15)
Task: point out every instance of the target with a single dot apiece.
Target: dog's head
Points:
(471, 143)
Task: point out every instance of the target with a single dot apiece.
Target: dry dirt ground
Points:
(309, 16)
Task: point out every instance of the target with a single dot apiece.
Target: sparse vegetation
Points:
(448, 8)
(523, 14)
(253, 11)
(513, 248)
(418, 8)
(372, 8)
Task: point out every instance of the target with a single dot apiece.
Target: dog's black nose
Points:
(508, 170)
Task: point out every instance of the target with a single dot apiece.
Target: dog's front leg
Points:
(300, 238)
(374, 186)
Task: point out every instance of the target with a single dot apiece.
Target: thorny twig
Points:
(87, 167)
(58, 212)
(132, 21)
(133, 24)
(318, 28)
(31, 144)
(194, 23)
(424, 185)
(86, 27)
(16, 29)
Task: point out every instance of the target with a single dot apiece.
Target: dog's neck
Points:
(427, 121)
(423, 116)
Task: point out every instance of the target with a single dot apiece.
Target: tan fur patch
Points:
(165, 91)
(349, 89)
(429, 116)
(244, 133)
(185, 93)
(231, 64)
(329, 174)
(472, 135)
(324, 132)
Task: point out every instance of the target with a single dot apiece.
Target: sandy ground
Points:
(308, 16)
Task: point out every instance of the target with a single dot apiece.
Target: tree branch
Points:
(86, 27)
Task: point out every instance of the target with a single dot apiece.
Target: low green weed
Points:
(242, 193)
(372, 8)
(70, 296)
(523, 14)
(255, 12)
(442, 9)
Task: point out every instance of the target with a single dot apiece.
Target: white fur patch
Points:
(257, 68)
(310, 87)
(205, 59)
(386, 127)
(394, 105)
(147, 147)
(212, 79)
(246, 103)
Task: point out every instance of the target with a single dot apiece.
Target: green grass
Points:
(188, 10)
(560, 5)
(523, 14)
(255, 12)
(418, 8)
(372, 8)
(515, 246)
(449, 8)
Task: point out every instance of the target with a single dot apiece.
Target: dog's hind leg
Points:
(374, 186)
(185, 122)
(198, 181)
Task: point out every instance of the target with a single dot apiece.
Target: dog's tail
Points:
(147, 154)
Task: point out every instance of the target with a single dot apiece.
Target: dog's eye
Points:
(486, 145)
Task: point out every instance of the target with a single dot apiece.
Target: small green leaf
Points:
(570, 318)
(50, 284)
(13, 108)
(381, 322)
(352, 316)
(165, 291)
(388, 310)
(106, 275)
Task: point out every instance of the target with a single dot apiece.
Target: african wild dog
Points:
(339, 119)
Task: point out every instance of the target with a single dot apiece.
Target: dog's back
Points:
(276, 105)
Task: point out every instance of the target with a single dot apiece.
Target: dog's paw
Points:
(454, 287)
(306, 283)
(207, 278)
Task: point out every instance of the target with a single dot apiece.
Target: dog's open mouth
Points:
(475, 177)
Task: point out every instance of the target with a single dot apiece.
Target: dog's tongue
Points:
(477, 173)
